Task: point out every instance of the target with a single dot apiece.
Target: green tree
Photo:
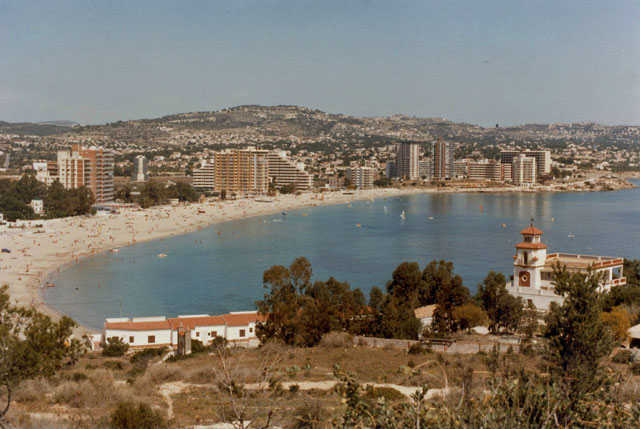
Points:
(469, 316)
(504, 310)
(529, 322)
(407, 285)
(577, 336)
(31, 345)
(450, 293)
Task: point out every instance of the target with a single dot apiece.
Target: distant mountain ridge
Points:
(284, 122)
(36, 128)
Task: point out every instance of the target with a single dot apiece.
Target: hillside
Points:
(279, 125)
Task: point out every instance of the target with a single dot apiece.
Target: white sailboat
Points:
(403, 216)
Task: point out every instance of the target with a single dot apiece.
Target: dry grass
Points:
(99, 390)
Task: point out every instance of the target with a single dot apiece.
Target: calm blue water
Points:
(209, 273)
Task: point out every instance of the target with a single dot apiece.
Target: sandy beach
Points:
(38, 251)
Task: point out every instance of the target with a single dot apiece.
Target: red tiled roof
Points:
(243, 319)
(192, 322)
(138, 326)
(426, 311)
(533, 246)
(531, 230)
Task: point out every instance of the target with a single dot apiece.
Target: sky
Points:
(481, 62)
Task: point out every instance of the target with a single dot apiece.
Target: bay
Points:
(219, 268)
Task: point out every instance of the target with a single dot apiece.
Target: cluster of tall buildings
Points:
(80, 166)
(250, 170)
(519, 167)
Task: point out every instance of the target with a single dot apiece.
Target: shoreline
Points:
(37, 253)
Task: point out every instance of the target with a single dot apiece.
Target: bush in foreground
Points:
(115, 347)
(128, 415)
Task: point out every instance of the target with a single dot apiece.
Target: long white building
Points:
(140, 169)
(141, 332)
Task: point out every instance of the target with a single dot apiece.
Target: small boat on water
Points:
(385, 209)
(430, 217)
(162, 255)
(571, 235)
(403, 216)
(284, 213)
(115, 250)
(50, 284)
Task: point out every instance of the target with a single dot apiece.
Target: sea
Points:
(219, 268)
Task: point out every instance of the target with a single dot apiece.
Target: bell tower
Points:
(529, 260)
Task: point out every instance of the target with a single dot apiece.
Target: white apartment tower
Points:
(523, 170)
(204, 178)
(140, 169)
(361, 177)
(407, 160)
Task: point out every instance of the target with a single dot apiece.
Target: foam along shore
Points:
(37, 251)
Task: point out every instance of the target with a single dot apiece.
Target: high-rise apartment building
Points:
(140, 169)
(245, 170)
(283, 171)
(485, 170)
(424, 169)
(523, 170)
(390, 169)
(542, 157)
(361, 177)
(407, 158)
(442, 161)
(90, 167)
(204, 178)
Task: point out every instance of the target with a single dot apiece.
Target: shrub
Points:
(115, 347)
(114, 365)
(388, 393)
(32, 390)
(128, 415)
(336, 339)
(78, 376)
(623, 356)
(143, 356)
(309, 413)
(294, 388)
(419, 348)
(197, 346)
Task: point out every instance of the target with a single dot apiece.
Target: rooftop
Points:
(582, 261)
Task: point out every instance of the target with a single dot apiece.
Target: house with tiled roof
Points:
(140, 332)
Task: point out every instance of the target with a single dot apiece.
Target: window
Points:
(527, 239)
(525, 257)
(214, 333)
(250, 330)
(131, 339)
(546, 275)
(151, 339)
(197, 334)
(242, 332)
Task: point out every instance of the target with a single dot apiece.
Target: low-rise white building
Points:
(141, 332)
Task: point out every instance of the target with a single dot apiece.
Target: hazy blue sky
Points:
(481, 62)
